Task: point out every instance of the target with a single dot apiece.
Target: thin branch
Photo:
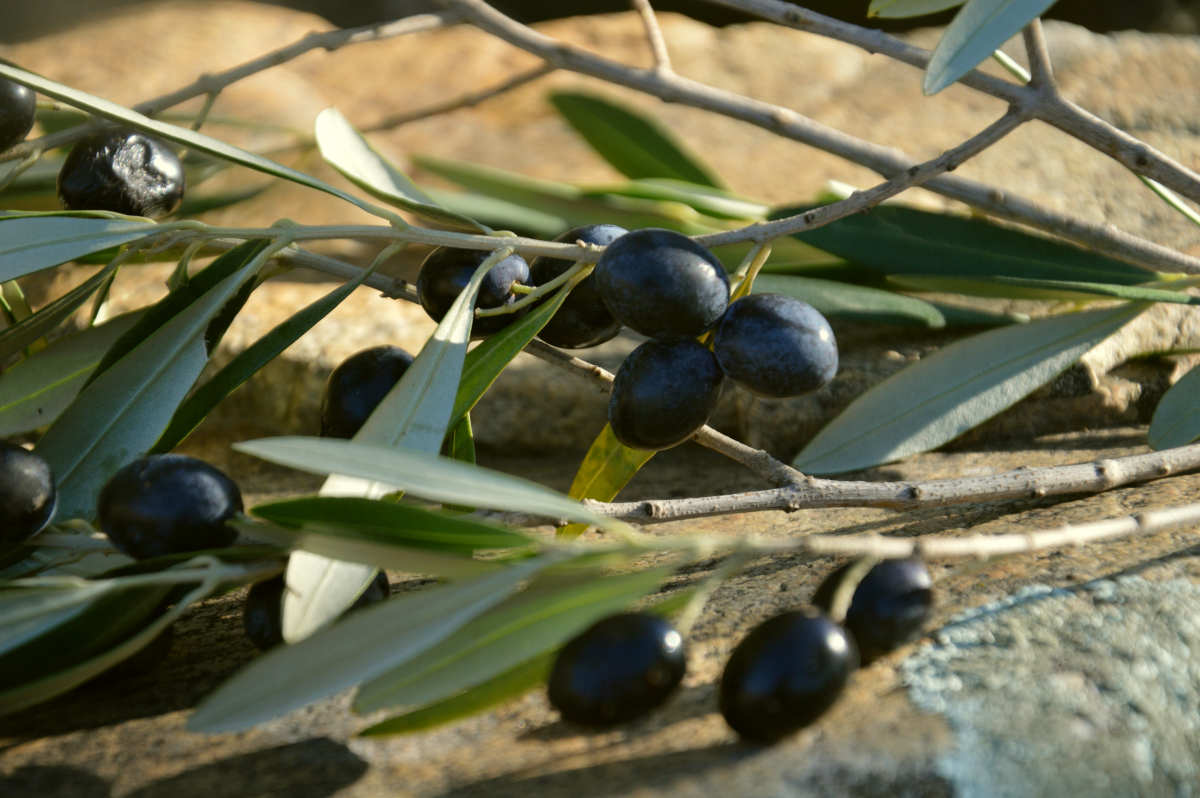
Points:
(215, 83)
(782, 121)
(869, 198)
(1134, 155)
(654, 35)
(940, 546)
(1020, 483)
(1041, 70)
(465, 101)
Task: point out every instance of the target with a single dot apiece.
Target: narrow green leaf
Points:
(710, 201)
(121, 412)
(35, 391)
(404, 524)
(30, 243)
(361, 646)
(1026, 288)
(977, 30)
(940, 397)
(634, 144)
(484, 363)
(563, 201)
(503, 687)
(130, 616)
(606, 468)
(893, 239)
(501, 214)
(414, 414)
(180, 135)
(247, 363)
(369, 548)
(847, 302)
(1176, 420)
(897, 9)
(347, 151)
(538, 619)
(460, 442)
(427, 476)
(48, 318)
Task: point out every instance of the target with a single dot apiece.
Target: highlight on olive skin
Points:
(18, 109)
(446, 271)
(123, 172)
(617, 670)
(27, 494)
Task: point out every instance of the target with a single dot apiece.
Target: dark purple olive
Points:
(18, 106)
(27, 494)
(168, 503)
(662, 284)
(583, 320)
(890, 606)
(663, 392)
(124, 172)
(776, 345)
(445, 272)
(617, 670)
(785, 674)
(357, 386)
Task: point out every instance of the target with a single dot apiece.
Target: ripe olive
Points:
(583, 320)
(617, 670)
(776, 345)
(445, 272)
(785, 674)
(168, 503)
(662, 284)
(890, 605)
(121, 171)
(18, 105)
(262, 613)
(357, 386)
(663, 392)
(27, 494)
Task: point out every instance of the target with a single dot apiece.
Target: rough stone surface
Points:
(127, 737)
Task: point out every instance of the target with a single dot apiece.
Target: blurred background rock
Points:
(27, 20)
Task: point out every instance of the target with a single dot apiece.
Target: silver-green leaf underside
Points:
(938, 398)
(976, 32)
(1176, 420)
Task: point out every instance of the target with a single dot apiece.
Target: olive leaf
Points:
(606, 468)
(1176, 420)
(35, 391)
(978, 29)
(847, 302)
(362, 645)
(634, 144)
(36, 241)
(119, 414)
(415, 415)
(941, 396)
(896, 9)
(538, 619)
(347, 151)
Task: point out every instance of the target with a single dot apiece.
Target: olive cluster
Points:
(667, 287)
(781, 677)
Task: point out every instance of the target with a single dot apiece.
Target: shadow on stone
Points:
(46, 781)
(613, 778)
(310, 769)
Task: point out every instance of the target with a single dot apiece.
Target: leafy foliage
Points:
(110, 391)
